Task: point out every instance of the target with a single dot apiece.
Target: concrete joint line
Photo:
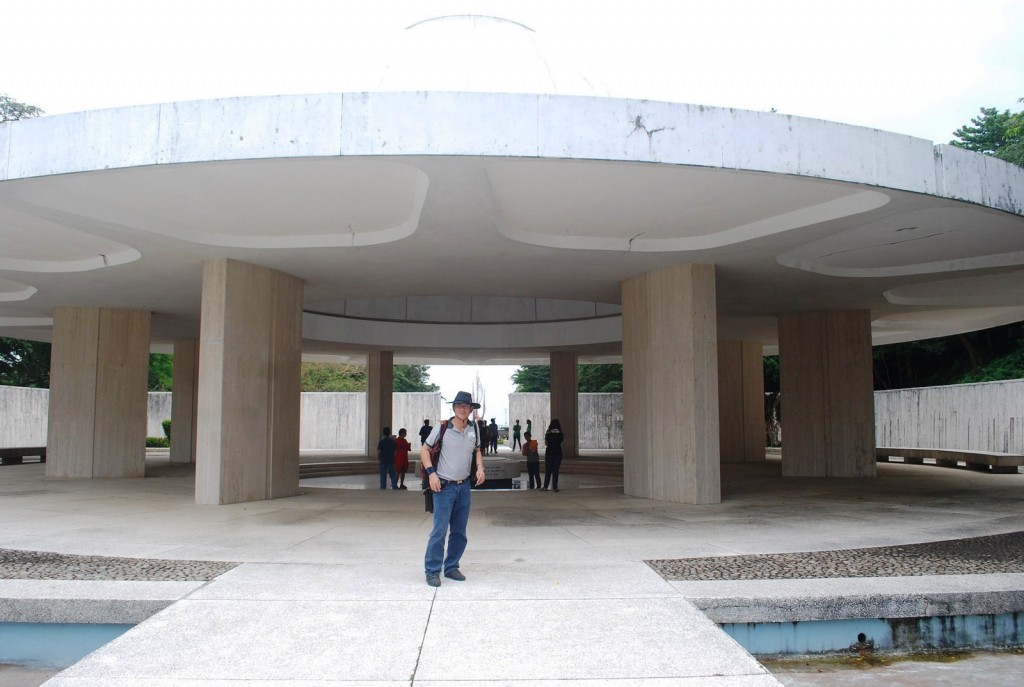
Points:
(423, 641)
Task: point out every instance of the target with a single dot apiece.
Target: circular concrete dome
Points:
(482, 54)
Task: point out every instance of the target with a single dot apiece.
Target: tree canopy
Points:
(337, 377)
(593, 379)
(983, 356)
(341, 377)
(11, 109)
(413, 378)
(1000, 134)
(161, 372)
(532, 379)
(24, 363)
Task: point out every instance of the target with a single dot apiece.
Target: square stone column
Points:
(828, 410)
(247, 429)
(565, 401)
(99, 372)
(184, 398)
(670, 385)
(380, 379)
(741, 401)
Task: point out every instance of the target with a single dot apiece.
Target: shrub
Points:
(167, 429)
(157, 442)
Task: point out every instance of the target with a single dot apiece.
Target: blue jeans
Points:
(387, 469)
(451, 513)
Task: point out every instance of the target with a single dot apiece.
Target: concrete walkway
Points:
(330, 588)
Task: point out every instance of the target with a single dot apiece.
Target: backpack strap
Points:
(435, 450)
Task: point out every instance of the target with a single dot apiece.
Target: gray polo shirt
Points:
(457, 449)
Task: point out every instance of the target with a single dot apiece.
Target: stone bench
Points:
(570, 466)
(17, 455)
(338, 469)
(993, 461)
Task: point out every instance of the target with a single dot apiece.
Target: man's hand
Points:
(435, 482)
(479, 475)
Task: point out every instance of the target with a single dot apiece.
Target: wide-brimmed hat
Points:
(465, 397)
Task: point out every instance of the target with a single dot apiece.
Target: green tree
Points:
(333, 377)
(532, 379)
(1000, 134)
(161, 372)
(600, 379)
(593, 379)
(413, 378)
(985, 355)
(1013, 151)
(24, 363)
(11, 109)
(1009, 366)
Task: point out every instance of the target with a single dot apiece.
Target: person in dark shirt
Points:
(552, 454)
(485, 442)
(492, 436)
(425, 431)
(386, 455)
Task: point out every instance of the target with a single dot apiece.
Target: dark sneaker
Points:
(434, 580)
(455, 575)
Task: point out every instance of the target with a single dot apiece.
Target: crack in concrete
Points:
(638, 125)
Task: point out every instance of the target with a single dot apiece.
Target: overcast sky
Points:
(918, 67)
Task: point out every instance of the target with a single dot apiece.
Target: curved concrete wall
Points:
(23, 416)
(338, 420)
(984, 417)
(979, 417)
(158, 409)
(600, 418)
(505, 125)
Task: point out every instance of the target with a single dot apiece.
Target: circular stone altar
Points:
(499, 472)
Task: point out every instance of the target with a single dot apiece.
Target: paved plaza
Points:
(326, 588)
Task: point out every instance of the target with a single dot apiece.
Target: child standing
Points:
(532, 459)
(402, 447)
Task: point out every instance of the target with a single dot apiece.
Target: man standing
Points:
(492, 436)
(516, 440)
(386, 455)
(425, 431)
(459, 458)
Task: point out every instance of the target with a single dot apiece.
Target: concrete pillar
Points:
(99, 371)
(827, 399)
(247, 429)
(565, 386)
(184, 399)
(670, 385)
(741, 401)
(380, 378)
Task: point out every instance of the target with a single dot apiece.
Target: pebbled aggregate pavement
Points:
(36, 565)
(1001, 553)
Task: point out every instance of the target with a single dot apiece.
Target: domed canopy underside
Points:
(495, 228)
